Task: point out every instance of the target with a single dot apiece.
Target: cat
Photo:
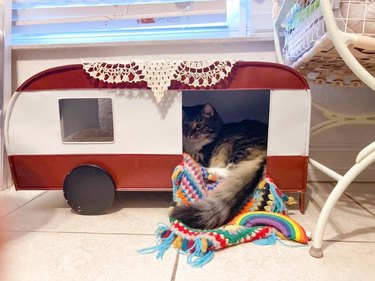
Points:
(235, 152)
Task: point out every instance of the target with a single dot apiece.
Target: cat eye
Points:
(199, 126)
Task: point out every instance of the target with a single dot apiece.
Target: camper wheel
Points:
(89, 190)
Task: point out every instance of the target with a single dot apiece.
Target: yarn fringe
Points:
(279, 199)
(198, 250)
(165, 240)
(192, 182)
(199, 245)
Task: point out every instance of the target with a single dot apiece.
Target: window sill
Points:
(266, 36)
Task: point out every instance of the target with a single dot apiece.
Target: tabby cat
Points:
(235, 152)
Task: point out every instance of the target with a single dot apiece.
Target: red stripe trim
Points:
(289, 173)
(244, 75)
(128, 171)
(137, 171)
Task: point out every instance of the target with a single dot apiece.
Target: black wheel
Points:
(89, 190)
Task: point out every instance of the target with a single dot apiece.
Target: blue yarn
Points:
(162, 227)
(165, 245)
(184, 245)
(200, 261)
(256, 196)
(197, 248)
(162, 245)
(270, 240)
(291, 244)
(176, 187)
(198, 258)
(278, 204)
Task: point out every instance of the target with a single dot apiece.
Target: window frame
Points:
(238, 28)
(95, 141)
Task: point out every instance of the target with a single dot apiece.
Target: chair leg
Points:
(316, 249)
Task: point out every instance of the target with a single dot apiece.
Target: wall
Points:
(339, 147)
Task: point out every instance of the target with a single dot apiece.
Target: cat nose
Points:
(190, 135)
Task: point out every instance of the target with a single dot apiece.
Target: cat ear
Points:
(208, 111)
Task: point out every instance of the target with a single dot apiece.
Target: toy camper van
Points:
(97, 128)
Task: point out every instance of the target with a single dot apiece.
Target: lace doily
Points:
(159, 74)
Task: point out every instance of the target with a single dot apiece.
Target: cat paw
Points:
(171, 207)
(220, 173)
(199, 157)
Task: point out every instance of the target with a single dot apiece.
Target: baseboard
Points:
(340, 160)
(315, 175)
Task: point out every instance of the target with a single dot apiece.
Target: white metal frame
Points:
(366, 157)
(5, 84)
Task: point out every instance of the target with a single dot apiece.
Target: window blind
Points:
(88, 21)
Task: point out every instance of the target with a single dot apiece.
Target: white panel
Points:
(289, 124)
(140, 125)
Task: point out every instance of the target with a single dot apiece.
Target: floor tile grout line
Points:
(355, 201)
(19, 207)
(349, 241)
(359, 204)
(319, 207)
(335, 182)
(175, 267)
(149, 235)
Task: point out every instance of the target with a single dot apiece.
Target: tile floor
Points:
(46, 241)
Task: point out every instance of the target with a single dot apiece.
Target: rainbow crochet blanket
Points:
(262, 220)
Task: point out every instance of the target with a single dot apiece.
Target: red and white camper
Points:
(132, 142)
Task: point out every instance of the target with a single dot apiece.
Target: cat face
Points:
(200, 122)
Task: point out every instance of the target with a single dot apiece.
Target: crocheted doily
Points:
(159, 74)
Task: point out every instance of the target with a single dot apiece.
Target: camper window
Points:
(86, 120)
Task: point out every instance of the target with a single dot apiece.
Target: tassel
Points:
(201, 260)
(166, 238)
(165, 245)
(278, 203)
(161, 229)
(197, 254)
(184, 245)
(177, 243)
(204, 245)
(196, 248)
